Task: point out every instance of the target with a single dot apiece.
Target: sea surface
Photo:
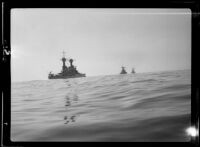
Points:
(141, 107)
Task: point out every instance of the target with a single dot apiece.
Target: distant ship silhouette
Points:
(123, 70)
(133, 71)
(67, 72)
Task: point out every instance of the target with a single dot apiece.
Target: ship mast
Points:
(71, 62)
(123, 70)
(63, 60)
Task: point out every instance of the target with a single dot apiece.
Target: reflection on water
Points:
(69, 119)
(71, 98)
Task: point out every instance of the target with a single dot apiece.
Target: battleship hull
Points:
(66, 77)
(123, 72)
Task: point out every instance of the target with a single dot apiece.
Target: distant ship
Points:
(133, 71)
(123, 70)
(67, 72)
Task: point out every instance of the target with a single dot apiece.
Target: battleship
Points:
(67, 72)
(133, 71)
(123, 71)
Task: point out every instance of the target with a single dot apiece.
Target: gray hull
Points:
(66, 77)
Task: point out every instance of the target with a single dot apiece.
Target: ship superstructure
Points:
(123, 71)
(67, 72)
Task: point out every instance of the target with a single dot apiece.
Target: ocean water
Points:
(134, 107)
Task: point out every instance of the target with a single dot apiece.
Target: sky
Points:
(100, 41)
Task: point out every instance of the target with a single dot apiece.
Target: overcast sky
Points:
(100, 40)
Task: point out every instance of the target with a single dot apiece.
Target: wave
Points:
(139, 107)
